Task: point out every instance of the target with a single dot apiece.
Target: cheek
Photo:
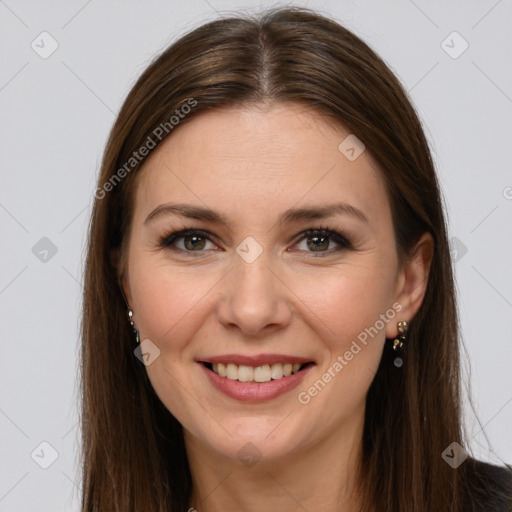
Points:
(168, 302)
(346, 301)
(349, 315)
(170, 309)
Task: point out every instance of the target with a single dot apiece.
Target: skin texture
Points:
(251, 165)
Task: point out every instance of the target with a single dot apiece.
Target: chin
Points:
(251, 439)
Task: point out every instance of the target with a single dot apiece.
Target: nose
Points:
(254, 299)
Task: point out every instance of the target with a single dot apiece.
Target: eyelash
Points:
(343, 242)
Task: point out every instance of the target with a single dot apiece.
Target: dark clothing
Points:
(491, 488)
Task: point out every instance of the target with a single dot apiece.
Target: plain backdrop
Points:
(56, 113)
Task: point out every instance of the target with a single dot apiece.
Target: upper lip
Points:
(257, 360)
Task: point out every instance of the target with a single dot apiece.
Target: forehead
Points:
(261, 158)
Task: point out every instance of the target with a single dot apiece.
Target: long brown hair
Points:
(133, 450)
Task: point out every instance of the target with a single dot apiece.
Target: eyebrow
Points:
(290, 216)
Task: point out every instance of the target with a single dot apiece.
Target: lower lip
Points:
(255, 391)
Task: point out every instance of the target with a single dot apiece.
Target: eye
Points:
(321, 241)
(187, 240)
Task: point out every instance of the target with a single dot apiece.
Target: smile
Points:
(255, 378)
(264, 373)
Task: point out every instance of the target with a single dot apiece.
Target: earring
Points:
(399, 341)
(130, 315)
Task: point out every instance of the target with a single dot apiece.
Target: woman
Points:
(269, 310)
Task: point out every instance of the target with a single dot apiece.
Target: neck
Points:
(323, 476)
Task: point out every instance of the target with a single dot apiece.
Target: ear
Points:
(124, 284)
(412, 280)
(122, 276)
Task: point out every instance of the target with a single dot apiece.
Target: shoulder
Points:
(489, 486)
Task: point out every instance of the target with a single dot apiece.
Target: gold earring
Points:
(130, 316)
(399, 341)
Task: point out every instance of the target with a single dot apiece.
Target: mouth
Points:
(260, 374)
(255, 379)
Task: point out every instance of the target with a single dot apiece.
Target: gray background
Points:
(56, 114)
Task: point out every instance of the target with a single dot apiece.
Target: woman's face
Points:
(256, 284)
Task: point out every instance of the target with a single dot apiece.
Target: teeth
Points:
(276, 371)
(232, 371)
(263, 373)
(245, 373)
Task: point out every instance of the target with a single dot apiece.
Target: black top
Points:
(491, 489)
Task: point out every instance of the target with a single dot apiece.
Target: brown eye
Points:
(187, 241)
(194, 242)
(323, 241)
(320, 243)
